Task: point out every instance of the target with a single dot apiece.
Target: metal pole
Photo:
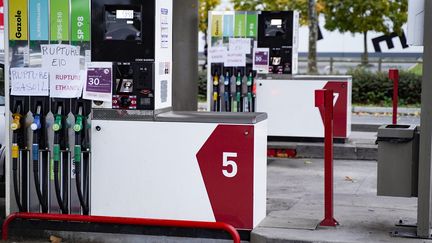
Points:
(185, 55)
(8, 144)
(121, 220)
(324, 101)
(394, 76)
(424, 184)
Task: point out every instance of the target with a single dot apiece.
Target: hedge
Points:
(369, 88)
(375, 88)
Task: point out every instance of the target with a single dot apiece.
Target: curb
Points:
(401, 110)
(316, 150)
(365, 127)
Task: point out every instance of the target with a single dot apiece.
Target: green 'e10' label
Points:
(59, 20)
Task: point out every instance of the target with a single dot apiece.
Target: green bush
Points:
(371, 88)
(202, 84)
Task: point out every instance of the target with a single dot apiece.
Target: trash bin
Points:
(398, 158)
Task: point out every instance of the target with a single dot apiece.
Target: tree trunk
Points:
(313, 37)
(365, 56)
(204, 67)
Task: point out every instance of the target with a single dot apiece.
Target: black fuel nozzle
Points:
(37, 127)
(19, 151)
(81, 111)
(60, 111)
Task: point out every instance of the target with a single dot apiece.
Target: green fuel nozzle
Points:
(78, 127)
(250, 79)
(239, 79)
(57, 126)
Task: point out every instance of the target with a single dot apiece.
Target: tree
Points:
(204, 7)
(303, 6)
(362, 16)
(313, 37)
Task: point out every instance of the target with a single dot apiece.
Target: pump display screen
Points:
(274, 27)
(124, 14)
(123, 23)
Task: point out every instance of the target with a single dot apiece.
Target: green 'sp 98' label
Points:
(80, 20)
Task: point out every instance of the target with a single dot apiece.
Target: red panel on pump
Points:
(226, 164)
(340, 115)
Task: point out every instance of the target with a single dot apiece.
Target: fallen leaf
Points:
(55, 239)
(349, 178)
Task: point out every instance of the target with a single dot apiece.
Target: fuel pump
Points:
(227, 89)
(20, 153)
(40, 150)
(81, 110)
(61, 154)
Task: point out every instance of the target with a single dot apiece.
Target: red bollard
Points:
(324, 101)
(394, 76)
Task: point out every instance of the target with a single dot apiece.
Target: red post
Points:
(324, 100)
(119, 220)
(394, 76)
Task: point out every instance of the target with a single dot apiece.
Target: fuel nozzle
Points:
(58, 117)
(16, 118)
(37, 125)
(250, 79)
(16, 121)
(78, 127)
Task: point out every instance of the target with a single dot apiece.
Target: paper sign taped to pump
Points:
(63, 64)
(240, 45)
(66, 85)
(29, 81)
(61, 58)
(217, 54)
(98, 85)
(235, 59)
(261, 60)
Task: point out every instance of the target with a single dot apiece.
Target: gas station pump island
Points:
(253, 67)
(92, 131)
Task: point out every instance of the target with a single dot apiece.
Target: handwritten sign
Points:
(66, 85)
(61, 58)
(235, 59)
(29, 81)
(240, 45)
(261, 60)
(217, 54)
(63, 64)
(98, 82)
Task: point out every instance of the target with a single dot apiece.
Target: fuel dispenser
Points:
(149, 178)
(78, 145)
(271, 33)
(81, 110)
(40, 150)
(276, 31)
(20, 152)
(61, 153)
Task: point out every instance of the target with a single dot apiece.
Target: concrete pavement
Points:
(295, 204)
(295, 207)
